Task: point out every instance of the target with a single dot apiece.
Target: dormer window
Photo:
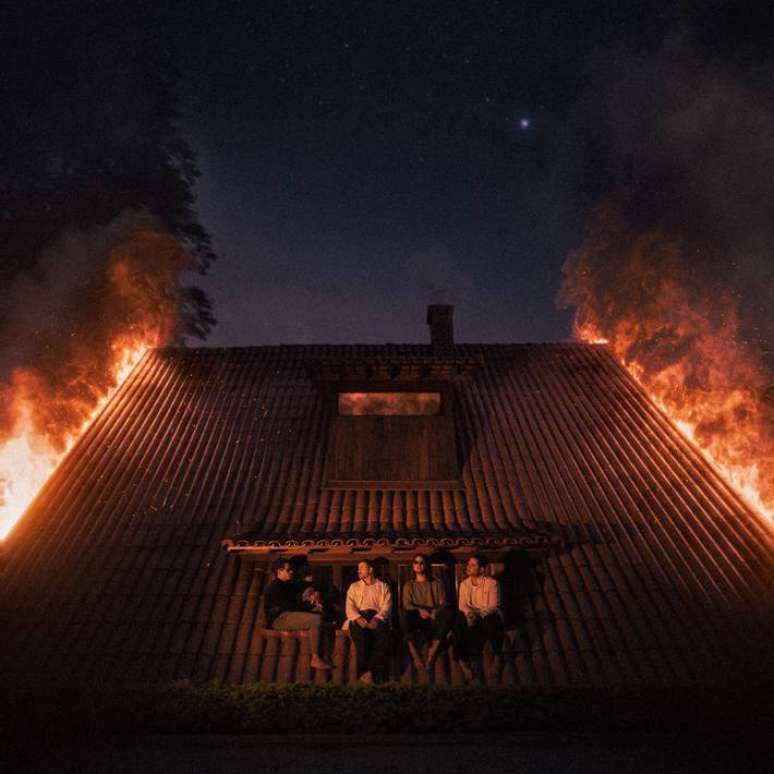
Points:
(397, 438)
(391, 418)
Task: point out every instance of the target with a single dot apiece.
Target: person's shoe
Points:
(366, 679)
(467, 672)
(317, 663)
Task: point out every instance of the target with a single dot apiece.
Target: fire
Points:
(28, 457)
(725, 425)
(682, 336)
(107, 296)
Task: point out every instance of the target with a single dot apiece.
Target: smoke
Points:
(436, 277)
(92, 295)
(691, 150)
(677, 267)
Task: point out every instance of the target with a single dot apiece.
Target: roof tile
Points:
(662, 572)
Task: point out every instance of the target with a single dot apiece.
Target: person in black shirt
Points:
(285, 612)
(319, 595)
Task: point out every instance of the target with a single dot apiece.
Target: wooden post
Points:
(269, 662)
(339, 655)
(303, 667)
(288, 645)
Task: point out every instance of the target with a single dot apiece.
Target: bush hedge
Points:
(65, 710)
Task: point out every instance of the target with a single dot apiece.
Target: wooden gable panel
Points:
(394, 449)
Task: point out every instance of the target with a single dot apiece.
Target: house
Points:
(622, 555)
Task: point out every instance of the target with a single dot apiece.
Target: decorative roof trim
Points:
(390, 369)
(389, 545)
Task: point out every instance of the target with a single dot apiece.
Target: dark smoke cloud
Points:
(677, 268)
(686, 150)
(691, 149)
(94, 291)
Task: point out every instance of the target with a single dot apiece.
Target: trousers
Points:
(469, 641)
(372, 647)
(413, 626)
(298, 621)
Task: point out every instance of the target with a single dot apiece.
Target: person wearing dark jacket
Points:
(285, 612)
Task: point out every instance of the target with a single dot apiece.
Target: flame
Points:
(724, 424)
(672, 312)
(92, 325)
(28, 457)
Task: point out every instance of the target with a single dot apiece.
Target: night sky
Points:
(361, 160)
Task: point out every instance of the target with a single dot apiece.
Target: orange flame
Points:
(681, 328)
(723, 424)
(29, 457)
(128, 300)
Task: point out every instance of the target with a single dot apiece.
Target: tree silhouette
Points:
(88, 133)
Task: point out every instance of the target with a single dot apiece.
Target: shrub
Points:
(64, 710)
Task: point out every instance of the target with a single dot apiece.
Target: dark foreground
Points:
(307, 729)
(633, 753)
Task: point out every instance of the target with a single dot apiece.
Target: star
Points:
(524, 123)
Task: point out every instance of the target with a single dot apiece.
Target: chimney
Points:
(440, 318)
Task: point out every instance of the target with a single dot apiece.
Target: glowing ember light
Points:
(28, 458)
(389, 403)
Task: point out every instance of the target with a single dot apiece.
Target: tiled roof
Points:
(117, 568)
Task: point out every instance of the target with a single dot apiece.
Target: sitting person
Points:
(318, 596)
(368, 607)
(285, 612)
(480, 618)
(424, 613)
(312, 600)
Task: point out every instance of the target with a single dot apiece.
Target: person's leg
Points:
(425, 631)
(414, 653)
(477, 639)
(461, 638)
(409, 621)
(440, 629)
(379, 657)
(442, 624)
(462, 645)
(359, 637)
(409, 625)
(299, 621)
(493, 631)
(302, 621)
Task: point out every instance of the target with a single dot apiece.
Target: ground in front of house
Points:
(734, 753)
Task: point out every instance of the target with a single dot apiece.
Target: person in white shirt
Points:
(480, 616)
(368, 608)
